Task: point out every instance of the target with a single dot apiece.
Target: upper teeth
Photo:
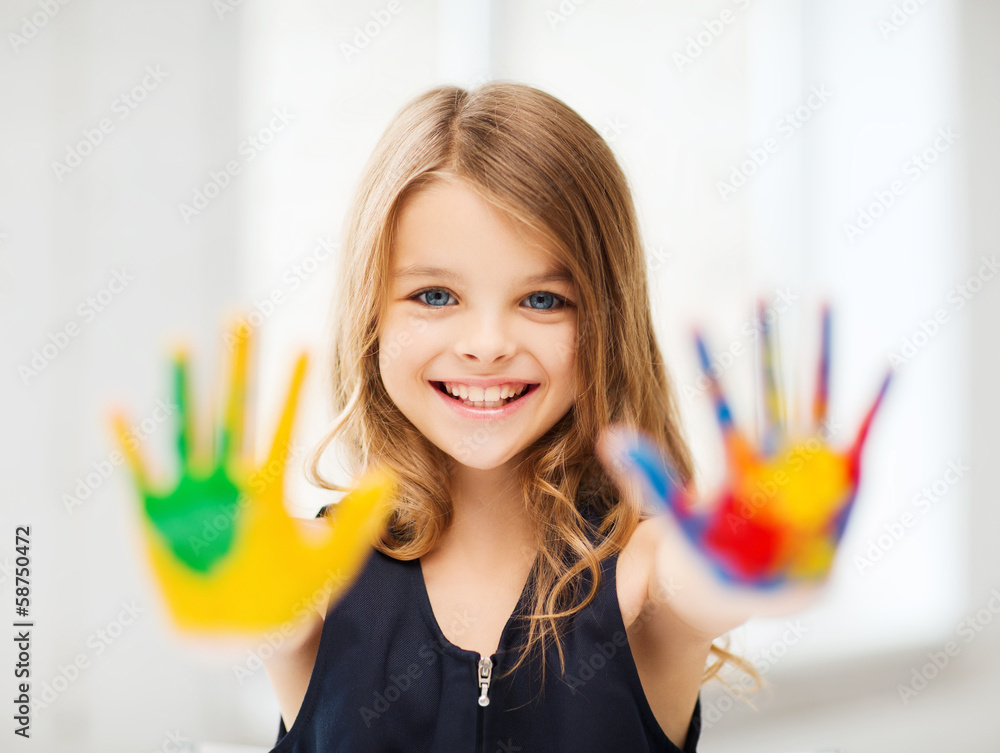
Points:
(489, 394)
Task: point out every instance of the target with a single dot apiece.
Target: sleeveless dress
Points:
(386, 680)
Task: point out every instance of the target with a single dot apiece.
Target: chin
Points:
(482, 459)
(478, 461)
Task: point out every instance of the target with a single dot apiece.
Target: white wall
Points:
(63, 241)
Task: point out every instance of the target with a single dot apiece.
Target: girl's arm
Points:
(289, 667)
(766, 544)
(670, 656)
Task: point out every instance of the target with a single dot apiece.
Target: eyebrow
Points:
(424, 270)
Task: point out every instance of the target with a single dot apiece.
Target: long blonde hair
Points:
(538, 161)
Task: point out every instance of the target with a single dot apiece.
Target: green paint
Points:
(197, 518)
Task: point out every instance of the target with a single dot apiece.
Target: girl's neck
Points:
(489, 520)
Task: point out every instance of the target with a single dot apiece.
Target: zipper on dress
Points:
(485, 674)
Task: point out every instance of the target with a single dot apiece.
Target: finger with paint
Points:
(224, 551)
(784, 505)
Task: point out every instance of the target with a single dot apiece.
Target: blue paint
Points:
(649, 462)
(721, 407)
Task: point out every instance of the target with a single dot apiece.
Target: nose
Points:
(484, 337)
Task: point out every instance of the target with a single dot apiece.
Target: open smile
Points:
(498, 408)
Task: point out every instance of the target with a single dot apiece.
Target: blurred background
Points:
(164, 162)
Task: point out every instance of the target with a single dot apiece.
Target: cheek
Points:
(564, 353)
(570, 360)
(403, 340)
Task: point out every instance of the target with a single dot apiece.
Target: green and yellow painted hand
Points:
(225, 552)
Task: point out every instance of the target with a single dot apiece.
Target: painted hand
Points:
(779, 517)
(226, 554)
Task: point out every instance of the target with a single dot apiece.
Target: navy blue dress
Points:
(386, 680)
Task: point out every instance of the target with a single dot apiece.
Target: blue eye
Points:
(542, 297)
(439, 297)
(436, 295)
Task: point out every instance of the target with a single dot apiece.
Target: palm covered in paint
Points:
(226, 554)
(775, 525)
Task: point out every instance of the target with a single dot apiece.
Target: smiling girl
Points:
(493, 319)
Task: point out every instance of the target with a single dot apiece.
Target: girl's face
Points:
(475, 304)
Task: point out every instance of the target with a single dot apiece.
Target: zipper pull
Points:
(485, 671)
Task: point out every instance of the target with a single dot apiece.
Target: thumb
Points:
(359, 518)
(632, 457)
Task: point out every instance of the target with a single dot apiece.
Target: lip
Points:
(504, 411)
